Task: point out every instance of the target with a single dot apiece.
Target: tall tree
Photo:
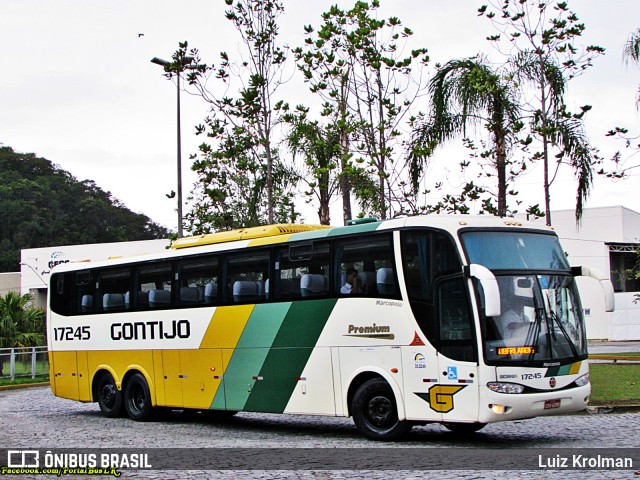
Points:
(329, 72)
(244, 157)
(542, 34)
(356, 62)
(464, 93)
(622, 165)
(320, 148)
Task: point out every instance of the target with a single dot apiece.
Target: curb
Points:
(604, 409)
(24, 385)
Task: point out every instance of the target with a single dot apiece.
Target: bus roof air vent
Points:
(245, 234)
(361, 221)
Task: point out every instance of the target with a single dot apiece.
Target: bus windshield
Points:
(541, 321)
(515, 250)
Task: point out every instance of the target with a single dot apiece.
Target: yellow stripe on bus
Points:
(258, 242)
(226, 326)
(575, 368)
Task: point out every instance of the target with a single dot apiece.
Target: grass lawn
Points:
(614, 384)
(24, 380)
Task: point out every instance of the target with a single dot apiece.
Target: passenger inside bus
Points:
(352, 283)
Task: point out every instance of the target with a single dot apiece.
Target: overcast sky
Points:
(78, 87)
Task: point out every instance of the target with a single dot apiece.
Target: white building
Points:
(608, 238)
(36, 263)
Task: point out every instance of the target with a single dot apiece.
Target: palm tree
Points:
(21, 325)
(466, 92)
(555, 127)
(631, 52)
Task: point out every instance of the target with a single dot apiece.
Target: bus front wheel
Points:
(137, 399)
(109, 397)
(375, 413)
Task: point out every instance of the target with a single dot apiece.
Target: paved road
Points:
(34, 418)
(614, 347)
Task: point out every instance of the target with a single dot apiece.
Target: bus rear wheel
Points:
(109, 397)
(375, 413)
(137, 399)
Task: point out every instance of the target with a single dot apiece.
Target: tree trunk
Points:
(501, 167)
(345, 182)
(547, 187)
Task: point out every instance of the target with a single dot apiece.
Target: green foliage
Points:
(21, 324)
(540, 40)
(242, 181)
(319, 147)
(355, 63)
(467, 92)
(622, 165)
(42, 205)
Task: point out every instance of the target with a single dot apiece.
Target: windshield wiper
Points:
(532, 335)
(556, 319)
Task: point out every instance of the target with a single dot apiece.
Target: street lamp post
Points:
(184, 64)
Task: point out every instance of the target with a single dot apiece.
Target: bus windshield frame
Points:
(541, 321)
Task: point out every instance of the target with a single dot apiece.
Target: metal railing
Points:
(23, 362)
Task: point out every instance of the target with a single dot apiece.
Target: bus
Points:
(458, 320)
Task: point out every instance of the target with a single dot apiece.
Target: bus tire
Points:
(464, 428)
(137, 399)
(375, 413)
(109, 397)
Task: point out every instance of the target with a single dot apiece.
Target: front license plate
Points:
(551, 404)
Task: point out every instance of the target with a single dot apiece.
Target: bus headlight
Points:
(503, 387)
(583, 380)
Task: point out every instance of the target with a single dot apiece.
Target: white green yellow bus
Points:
(460, 320)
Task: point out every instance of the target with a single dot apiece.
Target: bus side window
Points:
(153, 287)
(113, 284)
(246, 275)
(365, 267)
(62, 297)
(301, 272)
(84, 292)
(198, 280)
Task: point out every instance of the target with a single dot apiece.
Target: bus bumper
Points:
(500, 407)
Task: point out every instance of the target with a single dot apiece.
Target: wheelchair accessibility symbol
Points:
(452, 373)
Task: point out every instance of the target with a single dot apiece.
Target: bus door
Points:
(456, 394)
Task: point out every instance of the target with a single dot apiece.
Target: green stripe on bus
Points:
(249, 355)
(313, 235)
(563, 370)
(354, 229)
(289, 354)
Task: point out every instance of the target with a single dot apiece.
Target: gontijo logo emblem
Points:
(440, 397)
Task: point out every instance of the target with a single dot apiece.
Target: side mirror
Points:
(489, 287)
(605, 283)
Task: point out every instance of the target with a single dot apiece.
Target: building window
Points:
(625, 264)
